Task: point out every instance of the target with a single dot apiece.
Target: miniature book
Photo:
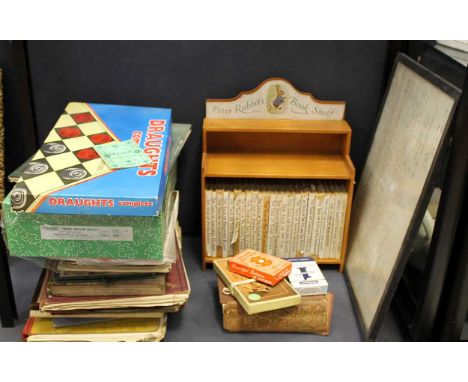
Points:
(256, 297)
(123, 330)
(260, 266)
(306, 277)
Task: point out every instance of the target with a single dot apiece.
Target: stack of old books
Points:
(96, 206)
(256, 297)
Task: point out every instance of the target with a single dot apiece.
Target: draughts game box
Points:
(67, 194)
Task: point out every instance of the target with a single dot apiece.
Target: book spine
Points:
(208, 223)
(334, 225)
(303, 223)
(276, 231)
(253, 228)
(336, 222)
(225, 222)
(310, 223)
(248, 219)
(230, 222)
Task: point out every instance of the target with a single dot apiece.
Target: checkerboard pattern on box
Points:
(67, 156)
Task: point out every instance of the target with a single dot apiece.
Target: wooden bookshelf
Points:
(282, 145)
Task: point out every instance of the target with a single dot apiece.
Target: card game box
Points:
(260, 266)
(306, 277)
(66, 195)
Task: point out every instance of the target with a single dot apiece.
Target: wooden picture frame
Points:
(395, 186)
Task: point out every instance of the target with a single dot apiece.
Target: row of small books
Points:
(256, 296)
(286, 218)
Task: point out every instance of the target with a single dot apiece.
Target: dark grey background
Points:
(181, 75)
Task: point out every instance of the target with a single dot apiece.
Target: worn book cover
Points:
(318, 211)
(329, 221)
(248, 217)
(266, 216)
(256, 297)
(258, 245)
(72, 268)
(219, 219)
(230, 221)
(283, 225)
(260, 266)
(208, 233)
(122, 330)
(312, 315)
(124, 285)
(242, 227)
(214, 223)
(177, 293)
(225, 211)
(272, 221)
(342, 218)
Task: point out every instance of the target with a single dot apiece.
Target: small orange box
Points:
(260, 266)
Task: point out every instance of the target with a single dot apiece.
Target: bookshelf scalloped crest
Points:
(275, 98)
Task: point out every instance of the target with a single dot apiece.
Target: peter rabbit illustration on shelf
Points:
(276, 99)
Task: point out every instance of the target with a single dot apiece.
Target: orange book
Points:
(260, 266)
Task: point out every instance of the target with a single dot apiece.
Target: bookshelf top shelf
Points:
(277, 165)
(280, 125)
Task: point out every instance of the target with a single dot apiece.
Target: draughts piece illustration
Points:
(67, 157)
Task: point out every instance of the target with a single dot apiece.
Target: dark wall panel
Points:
(181, 75)
(20, 135)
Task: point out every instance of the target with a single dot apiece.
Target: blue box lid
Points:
(67, 176)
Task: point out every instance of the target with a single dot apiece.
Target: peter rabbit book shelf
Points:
(273, 133)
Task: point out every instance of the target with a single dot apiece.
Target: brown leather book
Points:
(313, 315)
